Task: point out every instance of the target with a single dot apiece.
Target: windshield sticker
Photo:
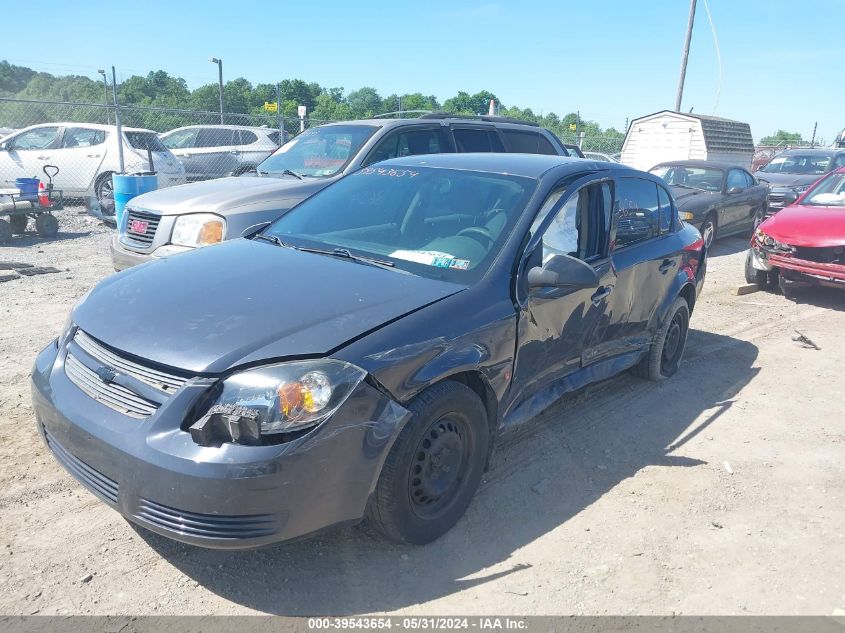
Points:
(384, 171)
(429, 258)
(459, 264)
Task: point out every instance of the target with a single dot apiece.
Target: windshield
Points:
(828, 192)
(807, 164)
(321, 151)
(145, 141)
(438, 223)
(705, 178)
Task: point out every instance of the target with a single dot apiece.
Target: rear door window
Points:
(527, 142)
(82, 137)
(636, 216)
(215, 137)
(477, 140)
(180, 139)
(245, 137)
(666, 213)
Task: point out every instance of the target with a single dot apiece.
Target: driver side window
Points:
(579, 228)
(39, 138)
(736, 178)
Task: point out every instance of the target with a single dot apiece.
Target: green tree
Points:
(364, 102)
(782, 137)
(13, 78)
(464, 103)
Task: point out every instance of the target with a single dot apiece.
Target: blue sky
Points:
(612, 60)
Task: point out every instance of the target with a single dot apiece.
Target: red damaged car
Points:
(805, 242)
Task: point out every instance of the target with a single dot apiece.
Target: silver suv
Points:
(214, 151)
(162, 223)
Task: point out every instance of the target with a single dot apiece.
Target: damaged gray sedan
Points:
(357, 358)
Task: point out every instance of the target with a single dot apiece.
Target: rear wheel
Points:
(47, 225)
(104, 191)
(758, 218)
(434, 467)
(5, 231)
(18, 223)
(667, 349)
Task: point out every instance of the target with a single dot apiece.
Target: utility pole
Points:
(105, 94)
(117, 122)
(279, 114)
(684, 59)
(815, 127)
(219, 63)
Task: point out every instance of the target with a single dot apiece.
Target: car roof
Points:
(526, 165)
(713, 164)
(93, 126)
(252, 128)
(812, 151)
(485, 121)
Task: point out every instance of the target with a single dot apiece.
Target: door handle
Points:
(666, 266)
(600, 294)
(43, 157)
(93, 155)
(186, 155)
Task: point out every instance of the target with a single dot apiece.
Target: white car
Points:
(86, 155)
(215, 151)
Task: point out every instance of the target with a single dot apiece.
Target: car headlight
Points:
(770, 243)
(275, 399)
(198, 229)
(686, 216)
(800, 188)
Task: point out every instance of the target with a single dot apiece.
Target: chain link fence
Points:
(180, 145)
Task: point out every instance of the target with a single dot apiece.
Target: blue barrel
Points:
(27, 186)
(128, 186)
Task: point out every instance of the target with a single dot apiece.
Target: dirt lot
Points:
(719, 491)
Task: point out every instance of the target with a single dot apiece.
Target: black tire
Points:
(5, 231)
(753, 276)
(787, 287)
(47, 225)
(665, 353)
(759, 217)
(434, 468)
(104, 189)
(709, 229)
(18, 223)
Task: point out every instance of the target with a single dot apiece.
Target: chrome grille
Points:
(206, 525)
(115, 396)
(163, 381)
(94, 480)
(140, 240)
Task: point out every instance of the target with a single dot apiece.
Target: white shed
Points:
(667, 135)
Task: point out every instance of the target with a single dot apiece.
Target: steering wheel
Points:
(477, 231)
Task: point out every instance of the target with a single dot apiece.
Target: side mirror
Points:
(734, 190)
(255, 228)
(4, 147)
(563, 271)
(789, 198)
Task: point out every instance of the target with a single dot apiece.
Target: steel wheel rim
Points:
(673, 343)
(439, 466)
(106, 189)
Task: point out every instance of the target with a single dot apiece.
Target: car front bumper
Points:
(797, 269)
(228, 497)
(123, 258)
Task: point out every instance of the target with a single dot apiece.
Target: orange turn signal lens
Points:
(211, 232)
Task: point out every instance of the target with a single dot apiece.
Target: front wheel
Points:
(434, 467)
(47, 225)
(708, 230)
(18, 223)
(763, 278)
(667, 349)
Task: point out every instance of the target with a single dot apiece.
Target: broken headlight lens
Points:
(290, 396)
(770, 243)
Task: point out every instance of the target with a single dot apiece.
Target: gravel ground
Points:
(719, 491)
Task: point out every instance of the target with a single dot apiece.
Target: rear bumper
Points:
(227, 497)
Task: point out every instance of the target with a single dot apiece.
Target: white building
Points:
(665, 136)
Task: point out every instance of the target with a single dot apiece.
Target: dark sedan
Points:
(717, 198)
(791, 173)
(358, 357)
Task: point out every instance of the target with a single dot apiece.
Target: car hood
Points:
(812, 226)
(224, 194)
(786, 180)
(243, 301)
(686, 196)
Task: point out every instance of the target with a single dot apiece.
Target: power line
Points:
(718, 56)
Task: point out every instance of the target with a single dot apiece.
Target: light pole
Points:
(690, 21)
(219, 63)
(106, 97)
